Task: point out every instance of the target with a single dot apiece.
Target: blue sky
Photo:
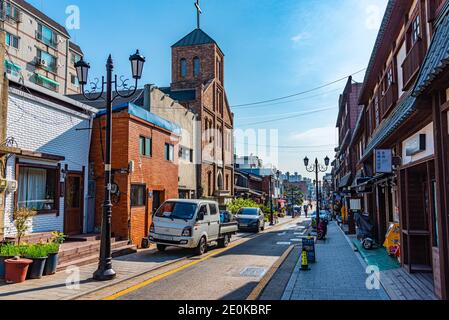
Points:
(273, 48)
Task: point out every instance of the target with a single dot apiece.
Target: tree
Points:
(235, 205)
(21, 219)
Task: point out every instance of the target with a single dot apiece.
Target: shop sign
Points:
(384, 161)
(415, 145)
(308, 244)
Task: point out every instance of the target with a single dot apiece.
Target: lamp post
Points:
(105, 271)
(317, 168)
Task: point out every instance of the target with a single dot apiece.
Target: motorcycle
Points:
(364, 230)
(322, 229)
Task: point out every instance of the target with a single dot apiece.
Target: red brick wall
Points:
(154, 172)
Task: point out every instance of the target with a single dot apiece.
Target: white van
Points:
(190, 224)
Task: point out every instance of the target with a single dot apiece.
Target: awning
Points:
(12, 65)
(47, 79)
(437, 58)
(345, 181)
(406, 107)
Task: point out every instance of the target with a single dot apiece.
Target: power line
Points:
(299, 93)
(290, 117)
(290, 101)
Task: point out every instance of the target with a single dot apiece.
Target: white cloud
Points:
(301, 36)
(316, 137)
(373, 17)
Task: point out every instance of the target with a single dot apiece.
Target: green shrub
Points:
(57, 237)
(34, 251)
(235, 205)
(9, 250)
(52, 247)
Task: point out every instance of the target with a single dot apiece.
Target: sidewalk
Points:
(338, 274)
(127, 267)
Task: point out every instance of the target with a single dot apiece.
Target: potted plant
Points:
(21, 219)
(7, 251)
(53, 253)
(16, 269)
(38, 254)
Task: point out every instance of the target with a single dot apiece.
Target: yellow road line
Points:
(168, 273)
(267, 277)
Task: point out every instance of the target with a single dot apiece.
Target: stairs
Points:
(86, 250)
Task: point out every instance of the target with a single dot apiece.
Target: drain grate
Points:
(253, 272)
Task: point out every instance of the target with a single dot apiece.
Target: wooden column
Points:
(441, 269)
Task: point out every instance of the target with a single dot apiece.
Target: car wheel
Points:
(161, 247)
(223, 243)
(202, 247)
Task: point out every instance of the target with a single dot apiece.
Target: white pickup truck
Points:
(190, 224)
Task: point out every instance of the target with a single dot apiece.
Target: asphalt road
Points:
(230, 275)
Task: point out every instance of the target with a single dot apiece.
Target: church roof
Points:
(194, 38)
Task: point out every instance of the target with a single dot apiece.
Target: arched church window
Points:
(183, 66)
(196, 66)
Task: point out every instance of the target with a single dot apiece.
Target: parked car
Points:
(190, 224)
(250, 219)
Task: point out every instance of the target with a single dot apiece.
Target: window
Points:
(46, 35)
(46, 82)
(46, 61)
(74, 80)
(74, 58)
(37, 188)
(183, 66)
(12, 40)
(196, 67)
(213, 209)
(169, 152)
(138, 195)
(186, 154)
(145, 146)
(389, 77)
(416, 30)
(11, 11)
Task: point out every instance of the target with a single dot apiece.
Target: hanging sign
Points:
(384, 161)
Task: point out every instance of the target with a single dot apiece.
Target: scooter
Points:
(364, 230)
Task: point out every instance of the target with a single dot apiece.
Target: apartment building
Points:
(38, 48)
(404, 124)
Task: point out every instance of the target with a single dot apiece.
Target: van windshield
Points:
(177, 210)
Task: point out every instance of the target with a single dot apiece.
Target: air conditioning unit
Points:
(42, 62)
(3, 184)
(12, 186)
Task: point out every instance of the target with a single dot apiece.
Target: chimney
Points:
(148, 88)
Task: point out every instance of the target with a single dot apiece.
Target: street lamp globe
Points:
(326, 161)
(306, 161)
(137, 62)
(82, 71)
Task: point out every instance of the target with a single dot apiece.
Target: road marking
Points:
(267, 277)
(173, 271)
(295, 240)
(282, 234)
(284, 243)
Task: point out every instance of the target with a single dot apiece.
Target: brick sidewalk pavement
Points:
(338, 274)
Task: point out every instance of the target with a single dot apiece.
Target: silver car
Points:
(250, 219)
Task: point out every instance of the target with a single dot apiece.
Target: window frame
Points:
(183, 68)
(19, 168)
(143, 153)
(14, 38)
(131, 195)
(196, 67)
(169, 150)
(48, 67)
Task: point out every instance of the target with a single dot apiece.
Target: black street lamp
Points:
(317, 168)
(105, 271)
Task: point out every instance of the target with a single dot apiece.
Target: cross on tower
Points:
(198, 13)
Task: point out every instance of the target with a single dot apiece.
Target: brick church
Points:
(198, 84)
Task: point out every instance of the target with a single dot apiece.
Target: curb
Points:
(267, 277)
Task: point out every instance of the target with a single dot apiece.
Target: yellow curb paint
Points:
(267, 277)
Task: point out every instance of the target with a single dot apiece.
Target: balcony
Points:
(44, 64)
(389, 99)
(413, 62)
